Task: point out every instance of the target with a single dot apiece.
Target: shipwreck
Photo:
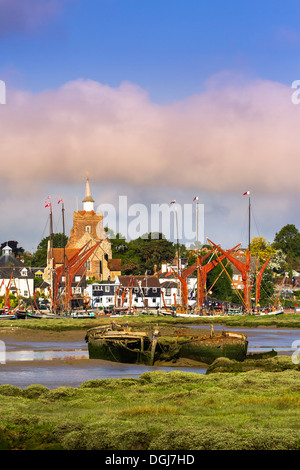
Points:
(119, 343)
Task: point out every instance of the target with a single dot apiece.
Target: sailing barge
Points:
(120, 344)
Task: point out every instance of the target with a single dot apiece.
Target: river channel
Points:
(66, 363)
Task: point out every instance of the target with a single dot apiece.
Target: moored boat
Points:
(120, 344)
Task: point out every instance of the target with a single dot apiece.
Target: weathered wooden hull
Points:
(142, 350)
(208, 350)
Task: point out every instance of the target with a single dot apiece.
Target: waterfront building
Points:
(102, 294)
(15, 275)
(126, 291)
(138, 291)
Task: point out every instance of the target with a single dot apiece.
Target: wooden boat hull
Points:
(232, 346)
(139, 347)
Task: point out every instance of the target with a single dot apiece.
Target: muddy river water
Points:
(62, 360)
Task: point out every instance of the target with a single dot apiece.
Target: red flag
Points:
(48, 205)
(195, 198)
(60, 201)
(247, 192)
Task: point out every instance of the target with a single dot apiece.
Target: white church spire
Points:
(88, 201)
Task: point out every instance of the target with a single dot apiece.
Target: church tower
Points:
(88, 228)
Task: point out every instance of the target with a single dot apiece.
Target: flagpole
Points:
(178, 262)
(248, 288)
(197, 222)
(197, 215)
(176, 220)
(249, 240)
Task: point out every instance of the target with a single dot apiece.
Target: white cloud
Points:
(233, 137)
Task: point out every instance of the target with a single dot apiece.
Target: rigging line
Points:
(58, 222)
(220, 261)
(217, 277)
(46, 224)
(253, 217)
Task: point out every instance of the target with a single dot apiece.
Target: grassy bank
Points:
(65, 324)
(159, 411)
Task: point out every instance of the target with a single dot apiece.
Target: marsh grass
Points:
(160, 410)
(65, 324)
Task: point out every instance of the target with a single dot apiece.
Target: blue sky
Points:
(182, 62)
(169, 48)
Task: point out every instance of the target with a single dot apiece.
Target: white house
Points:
(102, 294)
(15, 275)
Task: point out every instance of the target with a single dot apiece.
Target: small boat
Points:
(119, 343)
(7, 316)
(271, 312)
(82, 315)
(22, 315)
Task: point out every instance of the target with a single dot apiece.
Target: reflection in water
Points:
(27, 355)
(67, 364)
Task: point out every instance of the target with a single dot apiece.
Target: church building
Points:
(88, 228)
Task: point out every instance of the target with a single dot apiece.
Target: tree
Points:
(288, 240)
(278, 262)
(17, 250)
(220, 280)
(260, 248)
(142, 254)
(39, 258)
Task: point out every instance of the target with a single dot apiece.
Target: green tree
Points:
(142, 254)
(152, 249)
(288, 240)
(39, 258)
(260, 248)
(220, 281)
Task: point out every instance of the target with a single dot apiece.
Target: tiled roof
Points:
(114, 264)
(149, 281)
(5, 273)
(169, 284)
(58, 254)
(9, 261)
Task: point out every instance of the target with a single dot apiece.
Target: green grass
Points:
(248, 321)
(254, 410)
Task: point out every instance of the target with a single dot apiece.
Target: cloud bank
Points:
(233, 136)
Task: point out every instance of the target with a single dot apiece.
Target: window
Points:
(24, 272)
(107, 289)
(154, 289)
(168, 291)
(88, 228)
